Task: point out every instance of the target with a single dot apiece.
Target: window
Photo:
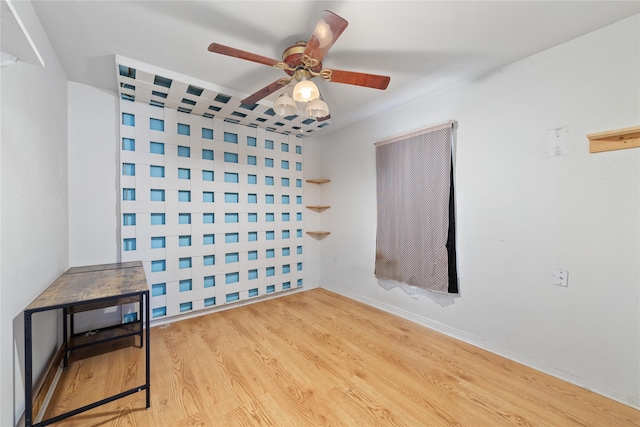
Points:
(184, 151)
(207, 133)
(156, 147)
(207, 175)
(158, 242)
(156, 171)
(207, 154)
(415, 242)
(184, 129)
(184, 173)
(231, 137)
(184, 218)
(128, 144)
(156, 124)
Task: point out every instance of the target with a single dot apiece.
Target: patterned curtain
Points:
(416, 219)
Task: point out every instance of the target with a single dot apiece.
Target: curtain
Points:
(415, 242)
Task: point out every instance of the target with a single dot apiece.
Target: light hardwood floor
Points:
(315, 358)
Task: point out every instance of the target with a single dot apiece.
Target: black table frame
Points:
(71, 307)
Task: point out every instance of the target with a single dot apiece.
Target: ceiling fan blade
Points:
(359, 79)
(327, 31)
(265, 91)
(237, 53)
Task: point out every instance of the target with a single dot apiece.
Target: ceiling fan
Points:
(302, 61)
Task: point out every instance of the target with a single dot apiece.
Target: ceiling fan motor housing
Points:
(292, 56)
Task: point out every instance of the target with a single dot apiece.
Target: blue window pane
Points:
(185, 285)
(286, 285)
(208, 239)
(158, 289)
(299, 216)
(253, 274)
(185, 262)
(270, 217)
(184, 241)
(209, 260)
(207, 196)
(298, 166)
(299, 250)
(157, 195)
(156, 171)
(156, 124)
(284, 182)
(209, 302)
(286, 234)
(207, 154)
(128, 144)
(299, 283)
(156, 148)
(286, 269)
(158, 265)
(184, 151)
(157, 219)
(208, 218)
(268, 198)
(271, 253)
(231, 278)
(233, 297)
(128, 169)
(231, 198)
(252, 179)
(128, 194)
(158, 242)
(128, 119)
(184, 218)
(253, 292)
(252, 217)
(251, 141)
(299, 183)
(299, 233)
(252, 160)
(286, 251)
(184, 196)
(231, 137)
(299, 266)
(253, 236)
(231, 157)
(231, 177)
(184, 173)
(298, 149)
(252, 198)
(271, 271)
(285, 216)
(299, 200)
(268, 180)
(271, 289)
(270, 235)
(159, 312)
(231, 217)
(209, 281)
(184, 129)
(253, 255)
(284, 147)
(231, 238)
(268, 162)
(284, 164)
(129, 244)
(129, 219)
(207, 175)
(285, 200)
(268, 144)
(207, 133)
(186, 306)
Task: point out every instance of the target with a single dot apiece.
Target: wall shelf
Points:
(318, 208)
(318, 234)
(318, 181)
(618, 139)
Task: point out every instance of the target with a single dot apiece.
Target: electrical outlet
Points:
(414, 292)
(561, 278)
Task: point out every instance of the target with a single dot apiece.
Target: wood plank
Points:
(317, 358)
(617, 139)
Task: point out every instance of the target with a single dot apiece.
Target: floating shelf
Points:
(318, 181)
(618, 139)
(318, 233)
(318, 208)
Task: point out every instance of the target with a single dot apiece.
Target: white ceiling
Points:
(424, 46)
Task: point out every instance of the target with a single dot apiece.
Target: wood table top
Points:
(91, 283)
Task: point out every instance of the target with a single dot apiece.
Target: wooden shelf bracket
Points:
(618, 139)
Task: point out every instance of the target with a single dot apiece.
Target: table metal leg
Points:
(28, 362)
(148, 350)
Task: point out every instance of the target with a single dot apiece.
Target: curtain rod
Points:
(431, 128)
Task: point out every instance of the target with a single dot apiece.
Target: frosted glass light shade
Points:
(305, 91)
(317, 108)
(285, 106)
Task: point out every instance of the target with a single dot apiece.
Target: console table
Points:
(89, 288)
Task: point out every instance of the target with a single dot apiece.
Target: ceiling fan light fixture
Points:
(285, 106)
(317, 108)
(305, 91)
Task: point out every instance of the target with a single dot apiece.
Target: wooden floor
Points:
(316, 358)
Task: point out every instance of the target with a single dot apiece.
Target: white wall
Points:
(34, 212)
(520, 213)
